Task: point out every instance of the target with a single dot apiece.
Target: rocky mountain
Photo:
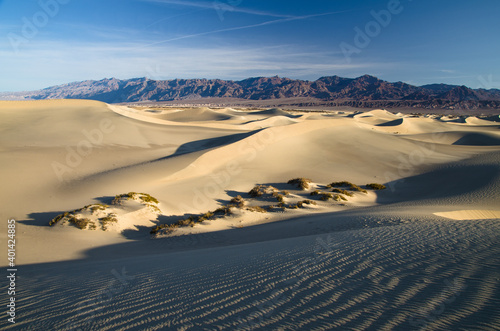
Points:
(364, 91)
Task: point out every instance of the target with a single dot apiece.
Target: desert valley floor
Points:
(421, 254)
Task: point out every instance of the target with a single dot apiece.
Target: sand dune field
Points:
(186, 218)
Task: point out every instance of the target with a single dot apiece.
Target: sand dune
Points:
(421, 254)
(192, 115)
(473, 120)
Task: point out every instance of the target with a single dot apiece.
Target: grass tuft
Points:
(238, 200)
(302, 183)
(111, 218)
(375, 186)
(257, 191)
(279, 197)
(341, 191)
(257, 209)
(351, 186)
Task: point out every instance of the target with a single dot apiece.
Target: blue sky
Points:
(50, 42)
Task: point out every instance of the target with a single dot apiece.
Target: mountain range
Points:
(364, 91)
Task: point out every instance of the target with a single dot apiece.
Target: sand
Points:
(421, 254)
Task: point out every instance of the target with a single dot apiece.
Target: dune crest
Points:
(470, 214)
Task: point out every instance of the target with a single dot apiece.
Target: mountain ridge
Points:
(363, 91)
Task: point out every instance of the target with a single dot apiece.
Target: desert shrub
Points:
(80, 223)
(302, 183)
(285, 193)
(225, 210)
(340, 184)
(111, 218)
(323, 195)
(257, 191)
(279, 197)
(58, 218)
(338, 190)
(355, 187)
(326, 196)
(339, 197)
(351, 186)
(118, 198)
(148, 198)
(169, 228)
(238, 200)
(98, 206)
(257, 209)
(208, 215)
(183, 222)
(375, 186)
(154, 208)
(157, 228)
(132, 195)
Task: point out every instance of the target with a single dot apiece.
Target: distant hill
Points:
(364, 91)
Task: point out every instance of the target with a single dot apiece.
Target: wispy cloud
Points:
(215, 5)
(250, 26)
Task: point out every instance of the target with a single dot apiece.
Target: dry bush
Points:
(238, 200)
(301, 204)
(338, 190)
(351, 186)
(225, 210)
(375, 186)
(326, 196)
(257, 191)
(56, 219)
(279, 197)
(302, 183)
(257, 209)
(111, 218)
(80, 223)
(339, 197)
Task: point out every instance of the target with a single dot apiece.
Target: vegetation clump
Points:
(257, 191)
(302, 183)
(149, 200)
(279, 197)
(351, 186)
(257, 209)
(375, 186)
(339, 197)
(111, 218)
(56, 219)
(326, 196)
(95, 207)
(301, 204)
(341, 191)
(133, 195)
(238, 200)
(225, 210)
(80, 223)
